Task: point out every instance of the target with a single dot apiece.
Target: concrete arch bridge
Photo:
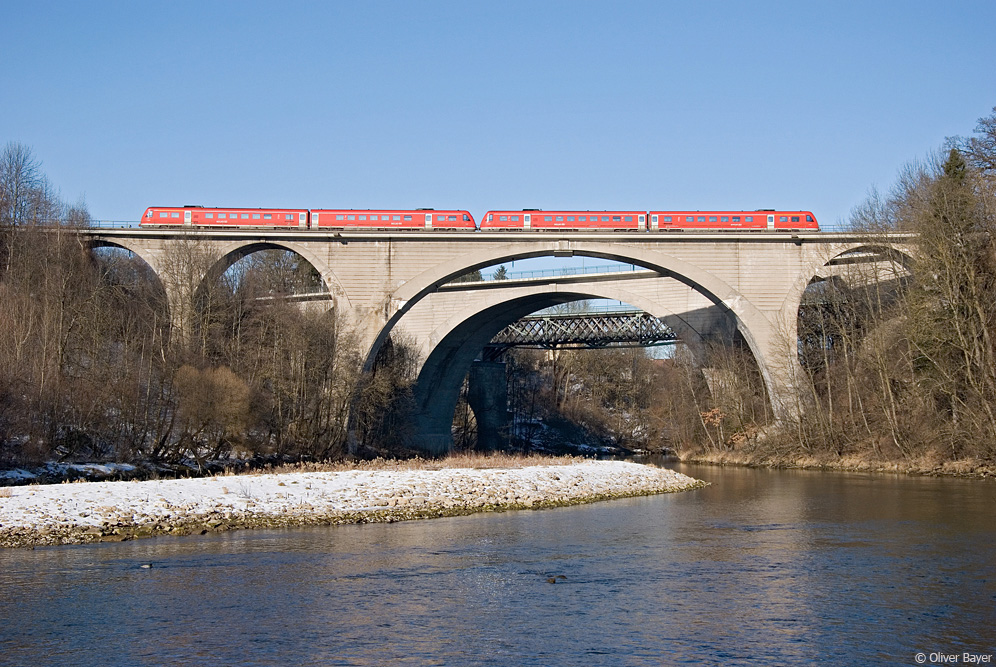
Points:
(701, 285)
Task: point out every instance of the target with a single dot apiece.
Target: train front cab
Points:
(792, 221)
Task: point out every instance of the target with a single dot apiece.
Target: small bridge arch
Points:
(228, 256)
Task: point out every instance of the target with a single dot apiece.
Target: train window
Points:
(209, 215)
(174, 215)
(245, 216)
(503, 218)
(560, 218)
(617, 218)
(397, 217)
(570, 218)
(547, 218)
(288, 216)
(451, 218)
(795, 218)
(809, 218)
(605, 218)
(514, 218)
(724, 218)
(667, 218)
(363, 217)
(350, 217)
(338, 217)
(267, 216)
(629, 218)
(222, 216)
(712, 218)
(689, 218)
(736, 218)
(466, 217)
(702, 218)
(408, 218)
(163, 214)
(255, 216)
(749, 218)
(783, 218)
(582, 218)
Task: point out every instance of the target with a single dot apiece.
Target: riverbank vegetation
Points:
(93, 369)
(897, 354)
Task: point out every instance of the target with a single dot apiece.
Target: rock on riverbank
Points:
(115, 511)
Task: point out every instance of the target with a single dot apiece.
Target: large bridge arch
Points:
(766, 339)
(749, 318)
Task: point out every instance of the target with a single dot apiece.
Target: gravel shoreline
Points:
(115, 511)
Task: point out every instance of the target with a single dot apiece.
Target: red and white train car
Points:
(198, 216)
(572, 220)
(733, 220)
(460, 220)
(386, 219)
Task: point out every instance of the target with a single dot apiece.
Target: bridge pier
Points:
(487, 395)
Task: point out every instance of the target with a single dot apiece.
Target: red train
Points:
(762, 219)
(493, 221)
(198, 216)
(574, 220)
(417, 219)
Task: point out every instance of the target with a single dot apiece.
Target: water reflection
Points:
(786, 567)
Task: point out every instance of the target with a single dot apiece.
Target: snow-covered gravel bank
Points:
(103, 511)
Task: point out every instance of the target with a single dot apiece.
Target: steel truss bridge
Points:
(621, 328)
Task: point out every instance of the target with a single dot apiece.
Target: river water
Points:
(761, 568)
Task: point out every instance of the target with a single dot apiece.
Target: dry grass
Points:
(6, 492)
(463, 460)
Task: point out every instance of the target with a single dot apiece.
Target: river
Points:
(764, 567)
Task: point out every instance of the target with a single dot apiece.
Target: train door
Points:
(654, 224)
(186, 217)
(527, 221)
(302, 219)
(428, 221)
(642, 226)
(771, 222)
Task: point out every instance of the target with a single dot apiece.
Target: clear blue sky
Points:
(483, 105)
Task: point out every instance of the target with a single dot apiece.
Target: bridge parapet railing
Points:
(113, 224)
(565, 271)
